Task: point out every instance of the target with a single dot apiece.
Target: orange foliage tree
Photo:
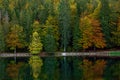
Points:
(97, 37)
(92, 35)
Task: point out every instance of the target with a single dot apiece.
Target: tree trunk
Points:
(15, 54)
(94, 48)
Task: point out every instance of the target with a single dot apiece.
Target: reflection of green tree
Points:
(112, 71)
(77, 71)
(2, 68)
(24, 72)
(50, 69)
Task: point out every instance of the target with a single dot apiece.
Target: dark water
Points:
(62, 68)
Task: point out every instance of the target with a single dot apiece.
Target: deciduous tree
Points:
(35, 46)
(15, 38)
(91, 30)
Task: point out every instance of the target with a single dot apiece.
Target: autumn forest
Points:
(74, 24)
(36, 26)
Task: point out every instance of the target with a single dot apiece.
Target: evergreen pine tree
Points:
(116, 34)
(105, 21)
(2, 39)
(64, 24)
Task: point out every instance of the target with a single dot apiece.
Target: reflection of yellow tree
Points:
(35, 63)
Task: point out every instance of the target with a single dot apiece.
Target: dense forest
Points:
(36, 26)
(62, 25)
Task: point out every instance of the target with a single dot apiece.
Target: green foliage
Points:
(51, 27)
(24, 72)
(49, 43)
(76, 36)
(81, 6)
(50, 69)
(43, 11)
(116, 34)
(26, 20)
(2, 39)
(64, 24)
(35, 46)
(105, 21)
(2, 68)
(112, 70)
(50, 35)
(77, 70)
(65, 69)
(75, 25)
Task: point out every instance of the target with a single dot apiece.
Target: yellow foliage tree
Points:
(52, 23)
(35, 46)
(15, 38)
(86, 31)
